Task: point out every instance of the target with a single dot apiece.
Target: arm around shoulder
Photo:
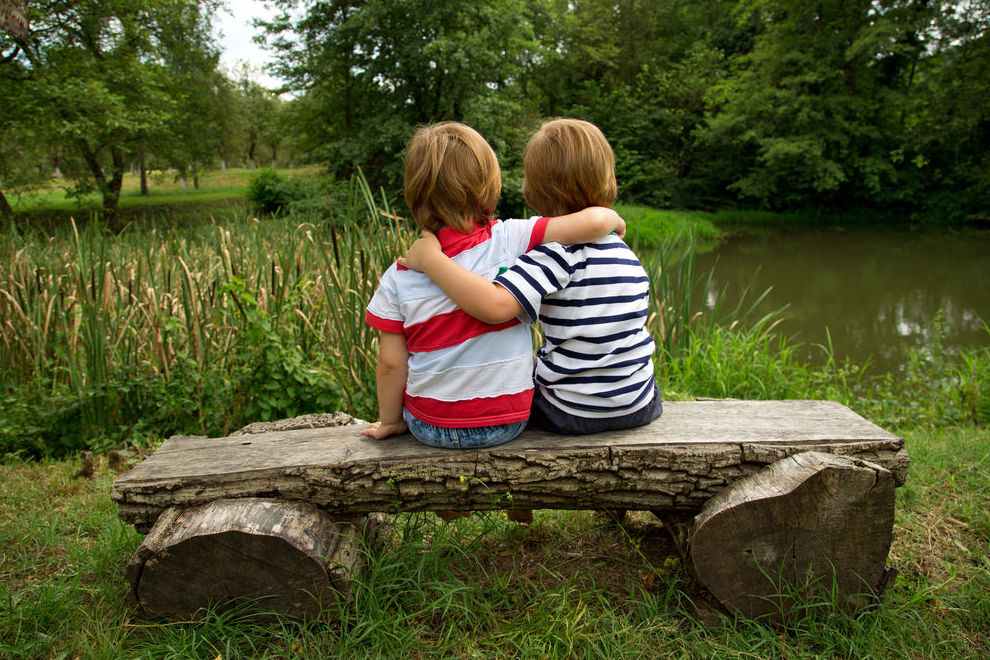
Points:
(584, 226)
(471, 292)
(484, 300)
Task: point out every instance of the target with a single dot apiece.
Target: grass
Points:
(114, 339)
(651, 228)
(111, 341)
(573, 584)
(174, 328)
(191, 329)
(163, 189)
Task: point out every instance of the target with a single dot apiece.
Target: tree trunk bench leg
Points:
(289, 558)
(806, 527)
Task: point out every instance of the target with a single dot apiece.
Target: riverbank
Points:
(572, 584)
(200, 328)
(112, 342)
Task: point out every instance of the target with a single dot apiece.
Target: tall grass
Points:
(685, 306)
(200, 328)
(651, 228)
(162, 330)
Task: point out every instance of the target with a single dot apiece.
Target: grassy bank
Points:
(648, 227)
(570, 585)
(114, 341)
(164, 189)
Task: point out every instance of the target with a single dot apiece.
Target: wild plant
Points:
(108, 339)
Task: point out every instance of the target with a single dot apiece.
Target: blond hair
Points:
(452, 178)
(568, 166)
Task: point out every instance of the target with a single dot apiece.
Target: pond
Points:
(880, 292)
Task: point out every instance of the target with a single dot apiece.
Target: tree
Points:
(104, 74)
(372, 69)
(258, 109)
(812, 115)
(944, 167)
(21, 126)
(641, 70)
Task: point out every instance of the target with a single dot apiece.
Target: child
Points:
(452, 380)
(595, 370)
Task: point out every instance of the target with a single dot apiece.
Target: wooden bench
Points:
(776, 493)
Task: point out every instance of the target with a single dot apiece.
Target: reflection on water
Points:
(878, 291)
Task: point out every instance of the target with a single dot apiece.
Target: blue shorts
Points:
(477, 437)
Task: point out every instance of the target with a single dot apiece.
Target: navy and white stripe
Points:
(592, 301)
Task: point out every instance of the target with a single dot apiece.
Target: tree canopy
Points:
(775, 104)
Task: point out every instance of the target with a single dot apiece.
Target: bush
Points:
(271, 192)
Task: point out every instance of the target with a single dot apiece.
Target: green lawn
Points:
(571, 585)
(646, 227)
(163, 190)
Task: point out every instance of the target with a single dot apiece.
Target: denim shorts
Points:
(477, 437)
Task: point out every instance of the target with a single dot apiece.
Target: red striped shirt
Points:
(504, 409)
(453, 328)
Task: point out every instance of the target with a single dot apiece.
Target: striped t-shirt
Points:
(463, 373)
(592, 301)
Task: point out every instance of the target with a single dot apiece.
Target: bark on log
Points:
(677, 463)
(289, 558)
(810, 527)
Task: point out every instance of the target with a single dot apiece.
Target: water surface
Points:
(878, 291)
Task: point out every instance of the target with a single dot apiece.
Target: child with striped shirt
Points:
(594, 371)
(452, 380)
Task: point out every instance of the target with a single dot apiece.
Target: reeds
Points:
(196, 317)
(107, 339)
(205, 328)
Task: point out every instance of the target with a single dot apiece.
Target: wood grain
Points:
(286, 557)
(678, 462)
(810, 527)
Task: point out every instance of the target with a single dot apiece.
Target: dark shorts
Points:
(544, 415)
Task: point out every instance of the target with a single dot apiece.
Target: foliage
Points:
(777, 105)
(270, 191)
(939, 387)
(648, 227)
(97, 79)
(198, 330)
(258, 121)
(763, 104)
(374, 69)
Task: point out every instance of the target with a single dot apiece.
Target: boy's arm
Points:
(393, 367)
(484, 300)
(585, 226)
(490, 302)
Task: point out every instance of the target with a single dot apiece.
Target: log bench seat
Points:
(791, 490)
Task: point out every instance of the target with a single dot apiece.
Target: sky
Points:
(235, 25)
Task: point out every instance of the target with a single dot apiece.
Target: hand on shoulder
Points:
(421, 251)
